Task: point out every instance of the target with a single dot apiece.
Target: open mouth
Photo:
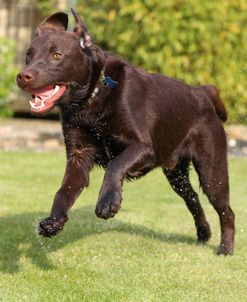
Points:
(44, 99)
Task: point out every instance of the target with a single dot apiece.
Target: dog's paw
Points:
(50, 226)
(204, 233)
(225, 249)
(108, 205)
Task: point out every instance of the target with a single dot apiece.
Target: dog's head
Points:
(56, 61)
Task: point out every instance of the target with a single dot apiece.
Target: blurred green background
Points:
(199, 42)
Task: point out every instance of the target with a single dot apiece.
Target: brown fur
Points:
(147, 121)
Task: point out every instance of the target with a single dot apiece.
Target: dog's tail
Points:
(215, 98)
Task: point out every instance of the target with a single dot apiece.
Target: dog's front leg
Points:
(110, 196)
(76, 178)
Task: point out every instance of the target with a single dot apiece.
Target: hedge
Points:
(8, 73)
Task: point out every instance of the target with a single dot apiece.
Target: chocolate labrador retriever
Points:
(129, 122)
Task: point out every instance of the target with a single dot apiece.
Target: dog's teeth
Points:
(32, 104)
(57, 88)
(37, 107)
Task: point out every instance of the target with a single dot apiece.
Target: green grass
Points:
(148, 252)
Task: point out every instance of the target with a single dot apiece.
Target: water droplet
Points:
(232, 143)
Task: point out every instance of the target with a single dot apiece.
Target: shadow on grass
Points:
(18, 237)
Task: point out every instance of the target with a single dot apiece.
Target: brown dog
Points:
(127, 121)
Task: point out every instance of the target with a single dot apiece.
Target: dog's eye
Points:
(57, 55)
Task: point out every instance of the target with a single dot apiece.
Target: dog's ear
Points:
(81, 31)
(56, 22)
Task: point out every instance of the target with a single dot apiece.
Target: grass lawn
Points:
(148, 252)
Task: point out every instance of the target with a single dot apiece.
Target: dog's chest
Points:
(107, 137)
(107, 145)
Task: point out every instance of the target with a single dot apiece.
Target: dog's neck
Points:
(103, 82)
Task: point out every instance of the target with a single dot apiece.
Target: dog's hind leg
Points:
(180, 182)
(210, 161)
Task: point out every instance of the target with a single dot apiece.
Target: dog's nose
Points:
(25, 77)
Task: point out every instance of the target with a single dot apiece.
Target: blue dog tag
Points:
(108, 81)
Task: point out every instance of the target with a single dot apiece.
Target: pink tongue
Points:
(45, 93)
